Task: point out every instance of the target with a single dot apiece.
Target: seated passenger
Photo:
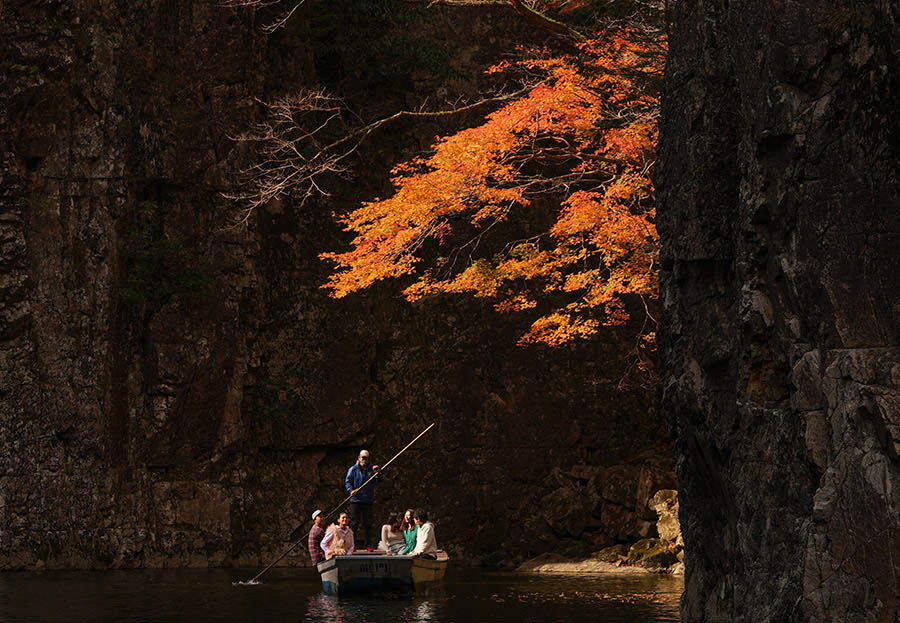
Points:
(339, 538)
(392, 539)
(316, 534)
(426, 545)
(410, 529)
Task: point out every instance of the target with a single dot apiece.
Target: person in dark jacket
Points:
(362, 498)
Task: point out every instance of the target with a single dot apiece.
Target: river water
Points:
(285, 595)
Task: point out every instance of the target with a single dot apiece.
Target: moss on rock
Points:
(652, 554)
(612, 554)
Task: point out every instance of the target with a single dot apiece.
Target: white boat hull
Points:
(362, 573)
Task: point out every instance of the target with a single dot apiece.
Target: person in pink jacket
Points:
(338, 539)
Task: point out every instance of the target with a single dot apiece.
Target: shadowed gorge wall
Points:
(779, 214)
(178, 392)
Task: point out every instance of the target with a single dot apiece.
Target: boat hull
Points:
(366, 573)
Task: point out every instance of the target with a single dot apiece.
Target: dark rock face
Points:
(177, 392)
(779, 212)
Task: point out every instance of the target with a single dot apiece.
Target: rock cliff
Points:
(174, 391)
(779, 213)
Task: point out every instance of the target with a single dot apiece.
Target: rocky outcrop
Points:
(662, 553)
(665, 503)
(597, 506)
(557, 564)
(176, 391)
(778, 211)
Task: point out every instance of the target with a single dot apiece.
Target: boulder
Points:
(650, 480)
(613, 554)
(624, 525)
(595, 540)
(619, 485)
(580, 471)
(567, 511)
(665, 503)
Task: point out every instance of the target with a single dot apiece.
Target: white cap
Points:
(363, 453)
(316, 513)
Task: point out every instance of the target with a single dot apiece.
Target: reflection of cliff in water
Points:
(513, 598)
(322, 608)
(189, 595)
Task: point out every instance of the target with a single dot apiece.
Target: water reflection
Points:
(294, 596)
(357, 609)
(422, 612)
(321, 608)
(473, 596)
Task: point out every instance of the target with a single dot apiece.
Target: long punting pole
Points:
(294, 546)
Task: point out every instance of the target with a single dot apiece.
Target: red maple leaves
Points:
(582, 141)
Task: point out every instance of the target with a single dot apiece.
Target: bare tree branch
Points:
(556, 28)
(294, 150)
(460, 2)
(253, 4)
(259, 4)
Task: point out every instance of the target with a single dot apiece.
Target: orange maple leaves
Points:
(582, 140)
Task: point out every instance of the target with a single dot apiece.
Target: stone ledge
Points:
(560, 565)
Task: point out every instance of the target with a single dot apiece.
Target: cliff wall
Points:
(779, 200)
(176, 391)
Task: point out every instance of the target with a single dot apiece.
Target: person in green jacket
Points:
(410, 529)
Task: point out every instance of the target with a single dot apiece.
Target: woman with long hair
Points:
(393, 541)
(410, 529)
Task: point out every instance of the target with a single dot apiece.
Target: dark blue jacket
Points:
(355, 477)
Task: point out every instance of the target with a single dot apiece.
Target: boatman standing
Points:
(362, 498)
(316, 554)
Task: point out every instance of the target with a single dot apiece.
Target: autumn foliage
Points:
(579, 147)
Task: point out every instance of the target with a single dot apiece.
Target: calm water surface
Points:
(295, 596)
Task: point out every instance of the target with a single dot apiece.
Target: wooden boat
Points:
(365, 572)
